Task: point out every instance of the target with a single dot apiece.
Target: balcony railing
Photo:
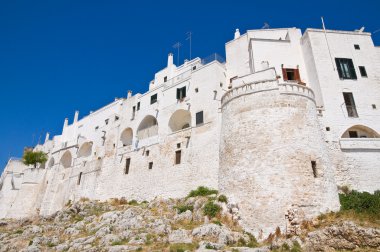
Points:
(213, 57)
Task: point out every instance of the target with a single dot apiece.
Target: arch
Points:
(360, 131)
(51, 163)
(66, 159)
(180, 119)
(148, 127)
(85, 149)
(126, 137)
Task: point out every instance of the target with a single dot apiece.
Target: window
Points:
(181, 93)
(291, 74)
(138, 106)
(97, 127)
(353, 134)
(106, 121)
(116, 118)
(153, 99)
(350, 105)
(221, 84)
(178, 145)
(133, 112)
(346, 69)
(147, 153)
(150, 165)
(79, 178)
(363, 72)
(194, 67)
(196, 90)
(178, 157)
(165, 78)
(127, 164)
(199, 117)
(374, 106)
(314, 167)
(357, 47)
(327, 128)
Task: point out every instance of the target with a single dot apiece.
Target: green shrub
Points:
(182, 247)
(223, 198)
(211, 209)
(202, 191)
(361, 202)
(133, 202)
(184, 208)
(296, 247)
(217, 222)
(209, 246)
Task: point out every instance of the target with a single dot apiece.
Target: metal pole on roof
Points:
(189, 38)
(327, 42)
(177, 46)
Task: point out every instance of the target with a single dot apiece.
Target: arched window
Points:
(66, 159)
(147, 128)
(181, 119)
(85, 150)
(360, 131)
(51, 163)
(126, 137)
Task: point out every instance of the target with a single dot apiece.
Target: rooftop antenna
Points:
(177, 46)
(266, 26)
(327, 42)
(189, 38)
(378, 30)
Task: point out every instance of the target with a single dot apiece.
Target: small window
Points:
(350, 105)
(374, 106)
(165, 78)
(127, 164)
(133, 112)
(221, 84)
(147, 153)
(353, 134)
(178, 145)
(357, 47)
(178, 157)
(138, 106)
(116, 118)
(196, 90)
(150, 165)
(153, 99)
(106, 121)
(199, 117)
(327, 128)
(97, 127)
(314, 167)
(363, 72)
(181, 93)
(291, 74)
(194, 67)
(346, 69)
(79, 178)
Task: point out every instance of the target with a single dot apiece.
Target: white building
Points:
(277, 128)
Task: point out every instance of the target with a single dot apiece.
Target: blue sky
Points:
(60, 56)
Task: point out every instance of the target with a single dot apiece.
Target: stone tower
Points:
(273, 160)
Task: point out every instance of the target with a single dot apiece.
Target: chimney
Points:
(237, 33)
(170, 59)
(76, 115)
(65, 123)
(129, 94)
(47, 137)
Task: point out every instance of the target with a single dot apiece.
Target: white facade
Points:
(269, 128)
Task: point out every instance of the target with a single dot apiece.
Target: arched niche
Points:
(181, 119)
(126, 137)
(85, 149)
(147, 128)
(66, 159)
(51, 162)
(360, 131)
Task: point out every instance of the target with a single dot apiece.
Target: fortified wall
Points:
(278, 127)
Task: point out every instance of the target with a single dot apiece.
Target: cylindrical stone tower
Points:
(273, 160)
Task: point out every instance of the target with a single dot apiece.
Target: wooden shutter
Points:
(297, 75)
(284, 74)
(184, 92)
(352, 69)
(178, 93)
(178, 157)
(339, 68)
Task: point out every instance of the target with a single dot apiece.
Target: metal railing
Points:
(212, 58)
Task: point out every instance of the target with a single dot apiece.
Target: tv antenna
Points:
(177, 46)
(266, 26)
(189, 38)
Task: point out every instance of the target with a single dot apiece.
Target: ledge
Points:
(360, 144)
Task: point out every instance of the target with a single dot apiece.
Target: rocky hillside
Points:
(204, 221)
